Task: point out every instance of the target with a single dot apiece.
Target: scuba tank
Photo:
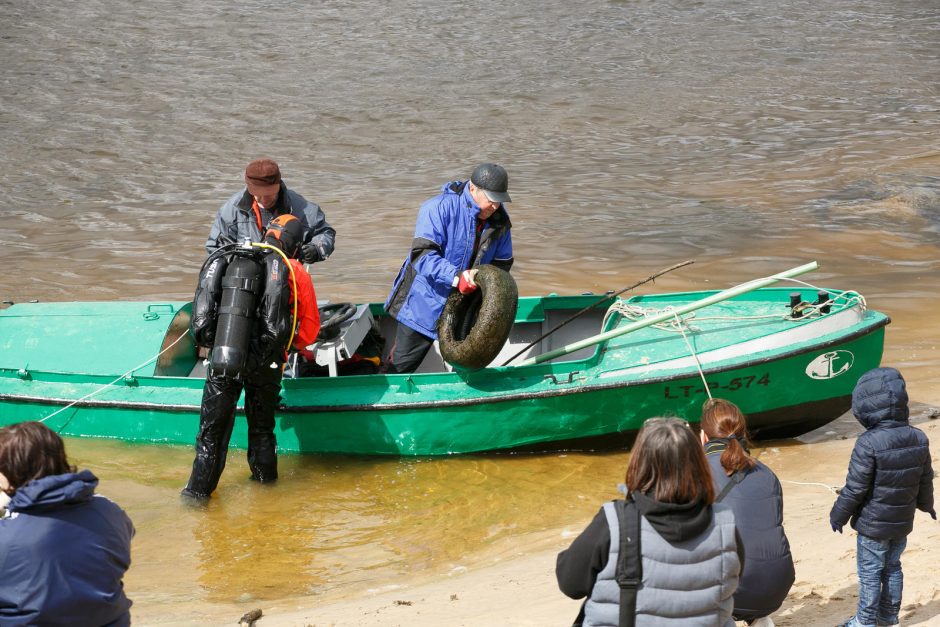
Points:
(237, 312)
(206, 301)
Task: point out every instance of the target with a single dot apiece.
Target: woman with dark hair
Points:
(688, 557)
(63, 549)
(754, 494)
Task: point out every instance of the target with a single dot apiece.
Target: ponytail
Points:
(722, 421)
(735, 457)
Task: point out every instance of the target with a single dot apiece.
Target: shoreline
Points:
(515, 583)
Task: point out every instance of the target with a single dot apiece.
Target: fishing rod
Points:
(604, 299)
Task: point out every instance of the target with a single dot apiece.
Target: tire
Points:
(473, 327)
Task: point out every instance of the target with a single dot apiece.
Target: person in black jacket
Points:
(889, 478)
(753, 492)
(270, 327)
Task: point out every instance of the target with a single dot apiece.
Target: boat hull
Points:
(595, 401)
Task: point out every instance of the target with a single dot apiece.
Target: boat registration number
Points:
(737, 383)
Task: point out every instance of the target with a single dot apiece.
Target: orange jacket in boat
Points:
(308, 315)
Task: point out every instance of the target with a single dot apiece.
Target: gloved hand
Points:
(312, 253)
(835, 526)
(467, 283)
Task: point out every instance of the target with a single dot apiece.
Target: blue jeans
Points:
(880, 580)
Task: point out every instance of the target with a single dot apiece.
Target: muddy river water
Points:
(751, 137)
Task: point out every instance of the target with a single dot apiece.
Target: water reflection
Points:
(333, 522)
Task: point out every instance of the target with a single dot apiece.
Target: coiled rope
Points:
(681, 324)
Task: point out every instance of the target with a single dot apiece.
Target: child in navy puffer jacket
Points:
(889, 477)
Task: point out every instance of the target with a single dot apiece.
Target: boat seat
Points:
(330, 352)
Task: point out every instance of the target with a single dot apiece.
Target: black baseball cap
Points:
(493, 180)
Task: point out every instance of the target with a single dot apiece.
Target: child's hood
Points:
(880, 397)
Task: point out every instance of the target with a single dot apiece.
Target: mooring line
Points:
(107, 385)
(828, 487)
(698, 364)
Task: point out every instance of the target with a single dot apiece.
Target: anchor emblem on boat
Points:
(830, 365)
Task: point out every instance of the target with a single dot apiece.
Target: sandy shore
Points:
(521, 590)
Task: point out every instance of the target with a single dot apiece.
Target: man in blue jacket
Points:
(464, 226)
(889, 477)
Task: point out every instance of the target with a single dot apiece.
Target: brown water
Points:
(751, 137)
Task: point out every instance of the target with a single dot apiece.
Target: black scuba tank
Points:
(237, 312)
(206, 301)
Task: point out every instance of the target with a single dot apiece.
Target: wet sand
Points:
(514, 583)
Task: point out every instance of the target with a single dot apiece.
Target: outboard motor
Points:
(237, 311)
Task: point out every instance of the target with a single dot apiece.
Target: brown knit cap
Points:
(263, 177)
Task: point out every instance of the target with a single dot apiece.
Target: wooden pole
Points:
(604, 299)
(731, 292)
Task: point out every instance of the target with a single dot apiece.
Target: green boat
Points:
(788, 357)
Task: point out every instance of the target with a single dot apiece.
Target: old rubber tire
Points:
(473, 327)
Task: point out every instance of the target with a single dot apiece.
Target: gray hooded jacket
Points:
(691, 561)
(237, 220)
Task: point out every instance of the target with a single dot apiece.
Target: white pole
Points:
(731, 292)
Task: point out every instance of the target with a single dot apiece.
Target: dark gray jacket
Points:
(757, 503)
(889, 473)
(236, 220)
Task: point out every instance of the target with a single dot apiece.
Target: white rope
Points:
(635, 312)
(107, 385)
(698, 364)
(809, 310)
(828, 487)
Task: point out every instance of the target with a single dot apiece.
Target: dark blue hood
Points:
(63, 555)
(54, 491)
(879, 398)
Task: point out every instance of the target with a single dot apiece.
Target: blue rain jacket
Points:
(63, 555)
(443, 248)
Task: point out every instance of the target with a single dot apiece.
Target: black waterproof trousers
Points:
(408, 350)
(217, 418)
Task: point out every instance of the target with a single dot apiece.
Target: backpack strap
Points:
(736, 478)
(629, 565)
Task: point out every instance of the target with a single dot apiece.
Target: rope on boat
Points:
(698, 364)
(107, 385)
(811, 310)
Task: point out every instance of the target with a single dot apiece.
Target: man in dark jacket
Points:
(265, 197)
(889, 477)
